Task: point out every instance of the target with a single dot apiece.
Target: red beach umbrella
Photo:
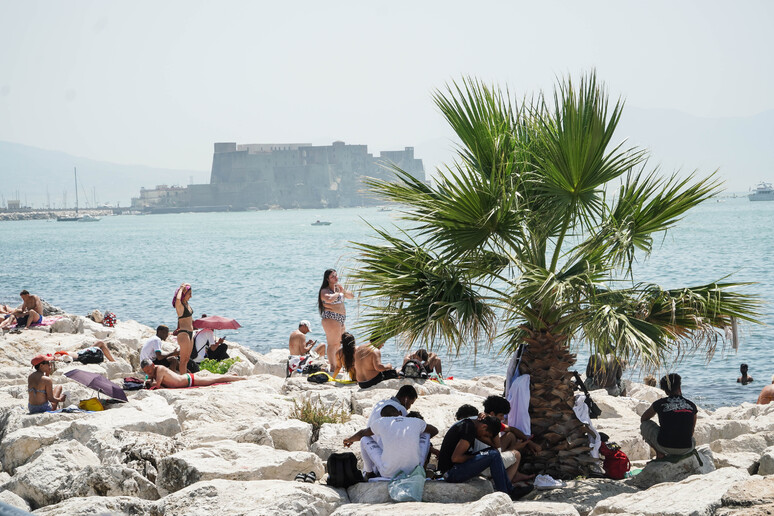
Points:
(215, 322)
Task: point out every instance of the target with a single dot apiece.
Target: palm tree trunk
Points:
(563, 439)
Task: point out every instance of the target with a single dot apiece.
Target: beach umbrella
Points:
(97, 382)
(215, 322)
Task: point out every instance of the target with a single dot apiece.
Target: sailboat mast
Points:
(75, 172)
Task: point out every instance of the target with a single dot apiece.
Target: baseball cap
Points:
(41, 358)
(305, 323)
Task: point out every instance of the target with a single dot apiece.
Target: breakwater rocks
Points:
(234, 449)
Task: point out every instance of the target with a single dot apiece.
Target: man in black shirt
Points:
(459, 463)
(677, 417)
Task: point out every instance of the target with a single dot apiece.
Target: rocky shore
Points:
(234, 449)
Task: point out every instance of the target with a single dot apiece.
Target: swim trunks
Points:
(328, 314)
(373, 381)
(39, 409)
(190, 379)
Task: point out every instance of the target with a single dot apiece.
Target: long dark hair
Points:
(348, 350)
(325, 284)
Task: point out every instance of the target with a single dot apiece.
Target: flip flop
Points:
(301, 477)
(311, 478)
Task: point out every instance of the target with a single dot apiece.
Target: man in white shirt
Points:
(151, 350)
(405, 443)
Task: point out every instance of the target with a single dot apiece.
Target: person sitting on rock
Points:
(151, 350)
(29, 313)
(368, 364)
(744, 379)
(605, 372)
(429, 361)
(677, 419)
(42, 394)
(512, 438)
(161, 376)
(403, 443)
(459, 463)
(298, 344)
(767, 394)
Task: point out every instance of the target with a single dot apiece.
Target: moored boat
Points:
(763, 192)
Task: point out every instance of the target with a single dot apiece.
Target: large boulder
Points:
(113, 480)
(333, 394)
(233, 461)
(494, 504)
(253, 498)
(742, 496)
(17, 447)
(583, 494)
(275, 362)
(766, 466)
(697, 495)
(45, 479)
(545, 509)
(331, 436)
(436, 491)
(91, 506)
(656, 472)
(146, 412)
(289, 434)
(14, 500)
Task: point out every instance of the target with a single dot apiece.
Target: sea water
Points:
(265, 268)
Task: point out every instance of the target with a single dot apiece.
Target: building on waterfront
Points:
(287, 175)
(161, 196)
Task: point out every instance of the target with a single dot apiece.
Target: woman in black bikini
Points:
(184, 325)
(330, 302)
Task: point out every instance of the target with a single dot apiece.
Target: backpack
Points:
(616, 462)
(91, 356)
(342, 470)
(109, 319)
(319, 377)
(412, 369)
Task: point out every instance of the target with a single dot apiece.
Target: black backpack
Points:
(91, 356)
(342, 470)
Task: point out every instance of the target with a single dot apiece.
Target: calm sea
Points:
(264, 269)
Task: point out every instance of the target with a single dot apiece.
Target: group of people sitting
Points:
(397, 440)
(363, 363)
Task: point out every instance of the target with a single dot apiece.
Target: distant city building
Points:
(286, 175)
(14, 205)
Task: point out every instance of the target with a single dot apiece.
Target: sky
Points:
(158, 82)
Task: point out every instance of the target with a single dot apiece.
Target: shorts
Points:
(39, 409)
(373, 381)
(190, 379)
(329, 314)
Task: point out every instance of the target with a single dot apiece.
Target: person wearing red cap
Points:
(43, 395)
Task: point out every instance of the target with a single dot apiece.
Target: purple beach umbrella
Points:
(97, 382)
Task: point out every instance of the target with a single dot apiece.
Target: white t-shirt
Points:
(149, 349)
(400, 443)
(376, 413)
(203, 339)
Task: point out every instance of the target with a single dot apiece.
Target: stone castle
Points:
(288, 175)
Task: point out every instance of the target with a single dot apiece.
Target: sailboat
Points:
(77, 218)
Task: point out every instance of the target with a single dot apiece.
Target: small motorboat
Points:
(321, 223)
(88, 218)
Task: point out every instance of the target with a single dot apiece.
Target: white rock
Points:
(13, 500)
(275, 362)
(99, 505)
(331, 436)
(239, 430)
(114, 480)
(17, 447)
(643, 392)
(751, 443)
(253, 498)
(696, 496)
(333, 394)
(494, 504)
(233, 461)
(45, 479)
(657, 472)
(584, 494)
(290, 434)
(146, 412)
(743, 460)
(544, 509)
(767, 462)
(435, 491)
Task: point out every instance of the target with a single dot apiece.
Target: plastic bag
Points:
(408, 488)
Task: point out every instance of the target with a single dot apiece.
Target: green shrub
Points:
(218, 366)
(315, 412)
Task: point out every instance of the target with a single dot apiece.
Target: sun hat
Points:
(41, 358)
(305, 323)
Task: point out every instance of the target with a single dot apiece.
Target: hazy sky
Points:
(157, 82)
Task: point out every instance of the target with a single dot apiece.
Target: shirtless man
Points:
(29, 313)
(161, 376)
(767, 394)
(429, 361)
(368, 364)
(298, 344)
(745, 378)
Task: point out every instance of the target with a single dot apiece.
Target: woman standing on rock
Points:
(184, 324)
(330, 302)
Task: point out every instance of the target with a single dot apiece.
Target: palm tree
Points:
(528, 238)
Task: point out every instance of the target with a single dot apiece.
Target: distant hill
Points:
(30, 171)
(742, 148)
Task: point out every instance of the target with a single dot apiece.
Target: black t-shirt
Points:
(465, 429)
(675, 416)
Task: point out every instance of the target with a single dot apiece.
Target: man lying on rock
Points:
(161, 376)
(677, 416)
(459, 463)
(403, 443)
